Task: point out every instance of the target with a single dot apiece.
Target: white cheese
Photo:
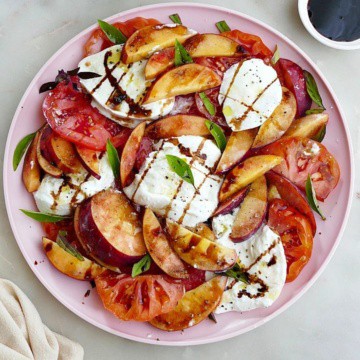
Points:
(163, 191)
(313, 151)
(250, 92)
(131, 79)
(263, 258)
(59, 196)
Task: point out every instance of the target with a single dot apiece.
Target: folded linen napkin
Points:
(22, 333)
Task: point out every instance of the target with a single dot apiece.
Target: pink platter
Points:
(69, 292)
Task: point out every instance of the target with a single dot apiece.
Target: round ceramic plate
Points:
(28, 118)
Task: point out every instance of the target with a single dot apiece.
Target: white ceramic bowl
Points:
(342, 45)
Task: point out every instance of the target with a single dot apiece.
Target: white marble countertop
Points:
(324, 324)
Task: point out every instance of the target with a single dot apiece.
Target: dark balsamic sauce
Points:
(338, 20)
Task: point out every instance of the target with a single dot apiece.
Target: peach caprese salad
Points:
(179, 171)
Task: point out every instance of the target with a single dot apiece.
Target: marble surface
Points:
(324, 324)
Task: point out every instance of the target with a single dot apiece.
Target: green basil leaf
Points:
(207, 103)
(222, 26)
(42, 217)
(181, 168)
(175, 18)
(113, 33)
(314, 111)
(64, 244)
(21, 148)
(113, 159)
(141, 266)
(181, 55)
(275, 58)
(238, 274)
(311, 197)
(217, 134)
(312, 89)
(321, 134)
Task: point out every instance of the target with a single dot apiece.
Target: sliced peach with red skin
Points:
(90, 160)
(129, 154)
(198, 251)
(194, 307)
(308, 126)
(159, 62)
(231, 203)
(144, 42)
(159, 248)
(31, 173)
(182, 80)
(252, 211)
(279, 121)
(237, 146)
(177, 125)
(247, 172)
(70, 265)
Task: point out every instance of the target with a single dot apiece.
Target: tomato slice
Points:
(70, 114)
(140, 298)
(296, 235)
(98, 41)
(305, 157)
(195, 279)
(146, 147)
(219, 64)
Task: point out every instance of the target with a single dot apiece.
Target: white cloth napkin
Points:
(22, 333)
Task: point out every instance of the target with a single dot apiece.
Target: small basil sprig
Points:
(217, 134)
(175, 18)
(181, 55)
(313, 90)
(238, 274)
(181, 168)
(113, 157)
(21, 148)
(275, 58)
(314, 111)
(64, 244)
(207, 103)
(222, 26)
(141, 266)
(42, 217)
(319, 137)
(113, 33)
(311, 197)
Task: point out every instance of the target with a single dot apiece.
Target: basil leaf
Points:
(181, 55)
(141, 266)
(311, 197)
(21, 148)
(113, 33)
(238, 274)
(175, 18)
(42, 217)
(51, 85)
(87, 75)
(321, 134)
(113, 159)
(217, 134)
(181, 168)
(314, 111)
(73, 72)
(312, 89)
(63, 243)
(275, 58)
(222, 26)
(207, 103)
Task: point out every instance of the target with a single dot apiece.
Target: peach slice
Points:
(204, 231)
(198, 251)
(144, 42)
(308, 126)
(159, 248)
(31, 172)
(238, 145)
(231, 203)
(90, 160)
(69, 264)
(182, 80)
(194, 307)
(279, 121)
(252, 211)
(246, 172)
(177, 125)
(159, 62)
(128, 156)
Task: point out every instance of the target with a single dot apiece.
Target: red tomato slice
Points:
(291, 76)
(296, 235)
(70, 114)
(218, 64)
(146, 147)
(301, 160)
(195, 279)
(140, 298)
(98, 41)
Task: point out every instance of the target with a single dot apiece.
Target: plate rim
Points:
(219, 337)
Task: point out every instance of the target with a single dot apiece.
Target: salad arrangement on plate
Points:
(179, 171)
